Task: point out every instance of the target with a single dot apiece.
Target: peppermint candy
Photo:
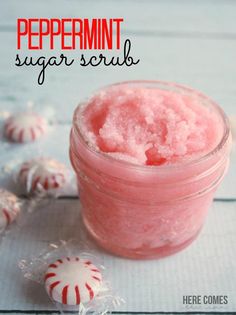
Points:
(9, 208)
(72, 281)
(25, 127)
(43, 174)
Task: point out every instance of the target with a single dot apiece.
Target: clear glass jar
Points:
(141, 211)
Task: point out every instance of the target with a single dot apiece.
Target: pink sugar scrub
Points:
(149, 126)
(148, 157)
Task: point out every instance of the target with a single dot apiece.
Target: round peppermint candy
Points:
(25, 127)
(43, 174)
(9, 208)
(72, 280)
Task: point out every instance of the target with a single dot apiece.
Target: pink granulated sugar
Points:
(148, 126)
(145, 201)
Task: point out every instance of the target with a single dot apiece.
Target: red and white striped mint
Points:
(43, 174)
(72, 280)
(9, 208)
(25, 127)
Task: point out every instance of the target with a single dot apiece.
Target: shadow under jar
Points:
(147, 211)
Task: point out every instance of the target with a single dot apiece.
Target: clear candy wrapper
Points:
(74, 278)
(40, 177)
(15, 212)
(26, 125)
(35, 174)
(45, 177)
(10, 209)
(41, 180)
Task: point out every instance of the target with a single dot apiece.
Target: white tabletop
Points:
(189, 42)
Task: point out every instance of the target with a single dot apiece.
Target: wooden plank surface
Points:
(186, 41)
(178, 16)
(13, 155)
(206, 65)
(207, 267)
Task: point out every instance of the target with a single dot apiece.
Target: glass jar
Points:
(147, 211)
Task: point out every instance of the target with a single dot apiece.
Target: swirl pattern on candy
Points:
(42, 174)
(25, 127)
(72, 281)
(9, 208)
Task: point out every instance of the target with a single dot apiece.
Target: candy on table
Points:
(43, 174)
(72, 281)
(25, 127)
(9, 208)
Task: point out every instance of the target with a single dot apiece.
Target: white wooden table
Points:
(187, 41)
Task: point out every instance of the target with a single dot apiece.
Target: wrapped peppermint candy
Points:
(9, 208)
(74, 279)
(25, 127)
(43, 175)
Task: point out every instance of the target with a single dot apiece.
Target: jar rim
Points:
(177, 166)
